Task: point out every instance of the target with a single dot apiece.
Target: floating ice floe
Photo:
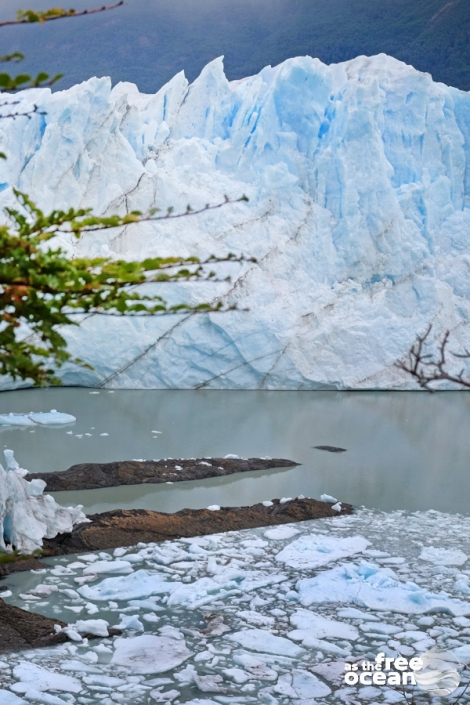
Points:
(265, 642)
(134, 586)
(367, 585)
(33, 677)
(150, 654)
(318, 549)
(49, 418)
(26, 514)
(308, 624)
(219, 629)
(280, 533)
(443, 556)
(9, 698)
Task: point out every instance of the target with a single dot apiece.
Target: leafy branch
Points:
(22, 81)
(42, 288)
(89, 224)
(55, 13)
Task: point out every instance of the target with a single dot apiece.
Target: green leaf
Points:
(22, 78)
(16, 56)
(5, 80)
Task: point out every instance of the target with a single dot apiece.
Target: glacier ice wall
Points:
(358, 176)
(26, 514)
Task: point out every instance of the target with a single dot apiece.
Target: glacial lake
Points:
(404, 450)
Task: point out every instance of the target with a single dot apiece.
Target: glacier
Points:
(358, 179)
(26, 514)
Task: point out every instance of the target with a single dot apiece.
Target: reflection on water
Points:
(405, 450)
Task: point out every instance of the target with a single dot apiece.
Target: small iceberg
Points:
(51, 418)
(47, 418)
(15, 420)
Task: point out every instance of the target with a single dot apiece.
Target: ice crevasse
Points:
(358, 179)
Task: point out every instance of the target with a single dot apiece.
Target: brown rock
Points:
(90, 476)
(20, 564)
(126, 527)
(21, 629)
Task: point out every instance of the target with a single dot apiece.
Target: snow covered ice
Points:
(230, 623)
(359, 184)
(26, 514)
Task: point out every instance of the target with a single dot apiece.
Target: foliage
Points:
(12, 83)
(42, 288)
(15, 555)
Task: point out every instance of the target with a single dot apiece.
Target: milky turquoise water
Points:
(405, 450)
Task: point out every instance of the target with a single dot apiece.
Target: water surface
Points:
(405, 450)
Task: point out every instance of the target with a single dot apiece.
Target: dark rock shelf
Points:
(92, 476)
(21, 629)
(126, 527)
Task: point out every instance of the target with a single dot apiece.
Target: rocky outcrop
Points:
(90, 476)
(21, 629)
(20, 563)
(124, 527)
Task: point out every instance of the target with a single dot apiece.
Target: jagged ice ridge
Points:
(26, 514)
(358, 176)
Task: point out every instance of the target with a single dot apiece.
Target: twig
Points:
(151, 218)
(45, 18)
(34, 111)
(426, 368)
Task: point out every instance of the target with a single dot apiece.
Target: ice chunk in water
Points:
(443, 556)
(150, 654)
(34, 677)
(319, 549)
(9, 698)
(130, 587)
(281, 532)
(308, 624)
(265, 642)
(118, 567)
(367, 585)
(98, 627)
(15, 420)
(52, 418)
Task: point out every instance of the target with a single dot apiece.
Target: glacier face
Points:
(358, 176)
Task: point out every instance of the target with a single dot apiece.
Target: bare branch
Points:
(426, 368)
(33, 111)
(43, 17)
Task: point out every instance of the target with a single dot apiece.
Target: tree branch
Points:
(426, 368)
(33, 111)
(151, 218)
(30, 16)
